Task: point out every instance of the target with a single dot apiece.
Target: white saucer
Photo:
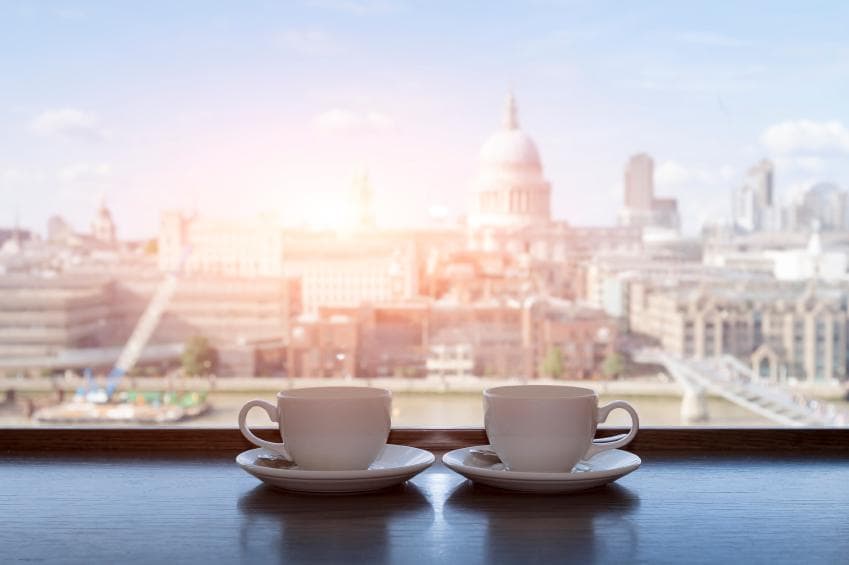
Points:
(394, 465)
(604, 468)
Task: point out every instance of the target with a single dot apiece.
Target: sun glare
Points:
(325, 213)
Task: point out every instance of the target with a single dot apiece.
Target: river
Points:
(454, 409)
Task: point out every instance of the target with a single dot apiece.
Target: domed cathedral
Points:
(511, 214)
(511, 200)
(510, 190)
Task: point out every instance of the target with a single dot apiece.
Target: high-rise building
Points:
(753, 204)
(642, 209)
(639, 183)
(761, 179)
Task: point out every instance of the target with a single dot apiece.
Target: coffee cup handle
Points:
(615, 442)
(271, 410)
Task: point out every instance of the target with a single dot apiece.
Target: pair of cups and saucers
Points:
(542, 439)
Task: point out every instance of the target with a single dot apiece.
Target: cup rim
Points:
(540, 392)
(334, 393)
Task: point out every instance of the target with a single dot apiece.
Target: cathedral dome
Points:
(510, 148)
(510, 189)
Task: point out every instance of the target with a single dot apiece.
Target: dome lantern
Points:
(511, 113)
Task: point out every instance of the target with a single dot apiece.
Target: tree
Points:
(199, 358)
(151, 247)
(613, 365)
(552, 365)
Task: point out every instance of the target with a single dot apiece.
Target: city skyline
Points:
(237, 114)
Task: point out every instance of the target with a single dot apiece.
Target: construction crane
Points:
(145, 326)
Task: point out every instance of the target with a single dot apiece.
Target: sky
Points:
(235, 109)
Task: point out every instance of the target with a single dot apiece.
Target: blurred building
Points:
(348, 270)
(487, 339)
(365, 341)
(754, 207)
(558, 242)
(608, 278)
(245, 319)
(102, 227)
(41, 317)
(101, 239)
(80, 321)
(235, 248)
(642, 209)
(584, 337)
(495, 336)
(787, 256)
(811, 262)
(59, 230)
(823, 207)
(785, 330)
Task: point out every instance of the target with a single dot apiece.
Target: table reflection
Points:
(360, 528)
(512, 527)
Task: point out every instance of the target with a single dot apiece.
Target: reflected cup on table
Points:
(327, 428)
(549, 428)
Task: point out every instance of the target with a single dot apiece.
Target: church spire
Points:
(511, 113)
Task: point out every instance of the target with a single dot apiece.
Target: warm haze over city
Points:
(199, 200)
(274, 106)
(448, 257)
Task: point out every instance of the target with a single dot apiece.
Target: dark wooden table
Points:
(677, 508)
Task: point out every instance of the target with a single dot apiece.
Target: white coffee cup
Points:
(549, 428)
(327, 428)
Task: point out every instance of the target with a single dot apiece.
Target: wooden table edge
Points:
(229, 440)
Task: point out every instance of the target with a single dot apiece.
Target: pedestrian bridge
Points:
(727, 377)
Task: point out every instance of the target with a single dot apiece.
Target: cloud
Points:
(806, 137)
(307, 41)
(340, 120)
(804, 164)
(68, 122)
(84, 172)
(710, 39)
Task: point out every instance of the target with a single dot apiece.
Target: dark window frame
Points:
(197, 441)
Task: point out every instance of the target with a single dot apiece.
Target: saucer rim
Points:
(318, 475)
(506, 474)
